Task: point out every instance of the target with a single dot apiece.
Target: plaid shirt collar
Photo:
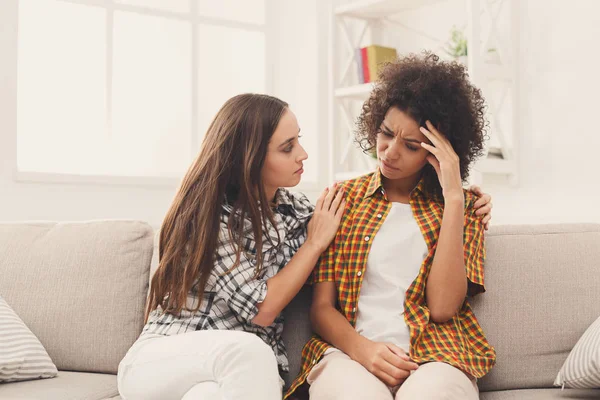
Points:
(376, 184)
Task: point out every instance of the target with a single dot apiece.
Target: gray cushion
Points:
(297, 330)
(541, 394)
(80, 287)
(66, 386)
(543, 292)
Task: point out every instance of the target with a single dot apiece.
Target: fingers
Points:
(401, 359)
(321, 198)
(329, 197)
(430, 148)
(483, 200)
(388, 379)
(340, 211)
(476, 190)
(484, 210)
(393, 373)
(337, 200)
(486, 221)
(435, 163)
(398, 351)
(432, 134)
(438, 140)
(398, 359)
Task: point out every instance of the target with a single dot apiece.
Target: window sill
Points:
(95, 180)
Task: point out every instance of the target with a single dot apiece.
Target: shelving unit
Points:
(346, 96)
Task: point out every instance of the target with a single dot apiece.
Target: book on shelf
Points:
(369, 60)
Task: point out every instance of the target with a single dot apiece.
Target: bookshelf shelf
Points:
(359, 92)
(374, 9)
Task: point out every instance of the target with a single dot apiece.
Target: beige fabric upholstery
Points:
(67, 385)
(79, 287)
(541, 394)
(543, 292)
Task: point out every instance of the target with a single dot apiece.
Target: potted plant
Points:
(457, 46)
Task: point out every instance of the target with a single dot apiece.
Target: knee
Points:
(250, 349)
(438, 381)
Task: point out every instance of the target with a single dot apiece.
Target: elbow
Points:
(440, 317)
(264, 318)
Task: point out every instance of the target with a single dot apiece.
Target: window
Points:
(128, 87)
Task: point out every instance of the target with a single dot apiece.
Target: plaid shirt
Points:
(459, 342)
(231, 297)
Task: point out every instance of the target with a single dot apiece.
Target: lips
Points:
(388, 166)
(301, 170)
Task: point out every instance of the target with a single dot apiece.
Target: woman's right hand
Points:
(386, 361)
(326, 218)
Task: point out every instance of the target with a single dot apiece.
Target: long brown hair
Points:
(227, 169)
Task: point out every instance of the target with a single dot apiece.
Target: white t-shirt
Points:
(395, 258)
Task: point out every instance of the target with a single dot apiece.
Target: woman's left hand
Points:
(483, 205)
(445, 161)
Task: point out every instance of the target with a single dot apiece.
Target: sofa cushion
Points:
(80, 287)
(541, 394)
(543, 292)
(582, 367)
(22, 356)
(67, 385)
(296, 330)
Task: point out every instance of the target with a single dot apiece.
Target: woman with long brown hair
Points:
(213, 324)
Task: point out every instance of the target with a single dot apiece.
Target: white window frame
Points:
(195, 20)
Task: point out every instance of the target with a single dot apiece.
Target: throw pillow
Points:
(22, 356)
(582, 368)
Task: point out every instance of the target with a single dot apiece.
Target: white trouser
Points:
(211, 364)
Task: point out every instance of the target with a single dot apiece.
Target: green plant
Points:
(457, 46)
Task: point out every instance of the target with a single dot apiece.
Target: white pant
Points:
(337, 376)
(211, 364)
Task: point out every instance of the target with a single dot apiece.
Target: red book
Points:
(365, 64)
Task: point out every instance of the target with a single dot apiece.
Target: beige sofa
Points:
(81, 288)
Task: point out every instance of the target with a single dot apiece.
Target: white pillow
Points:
(22, 356)
(582, 367)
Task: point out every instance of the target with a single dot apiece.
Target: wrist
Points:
(356, 344)
(314, 247)
(454, 197)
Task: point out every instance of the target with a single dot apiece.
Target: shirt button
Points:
(359, 273)
(367, 238)
(354, 309)
(379, 215)
(314, 360)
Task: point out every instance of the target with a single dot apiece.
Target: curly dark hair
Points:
(426, 88)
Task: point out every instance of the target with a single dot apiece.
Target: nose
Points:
(303, 155)
(393, 150)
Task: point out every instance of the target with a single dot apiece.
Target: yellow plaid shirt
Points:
(459, 342)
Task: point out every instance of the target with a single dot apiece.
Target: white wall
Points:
(560, 139)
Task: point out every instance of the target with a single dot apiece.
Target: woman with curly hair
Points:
(390, 300)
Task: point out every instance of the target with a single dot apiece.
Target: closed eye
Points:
(411, 147)
(386, 133)
(290, 146)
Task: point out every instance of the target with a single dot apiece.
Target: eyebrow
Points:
(289, 140)
(405, 139)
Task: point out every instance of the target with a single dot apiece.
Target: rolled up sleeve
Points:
(474, 250)
(245, 299)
